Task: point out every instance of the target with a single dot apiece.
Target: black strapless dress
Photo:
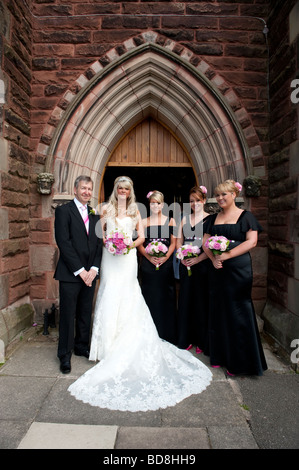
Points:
(193, 305)
(234, 338)
(158, 287)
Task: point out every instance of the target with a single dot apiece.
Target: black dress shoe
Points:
(84, 353)
(65, 366)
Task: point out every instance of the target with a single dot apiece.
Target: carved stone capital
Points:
(44, 183)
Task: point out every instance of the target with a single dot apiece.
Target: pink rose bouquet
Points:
(156, 249)
(217, 244)
(118, 243)
(187, 251)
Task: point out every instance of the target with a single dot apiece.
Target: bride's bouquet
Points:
(187, 251)
(157, 249)
(217, 244)
(118, 243)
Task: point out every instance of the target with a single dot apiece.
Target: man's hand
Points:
(88, 276)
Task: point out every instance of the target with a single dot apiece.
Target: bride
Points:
(137, 371)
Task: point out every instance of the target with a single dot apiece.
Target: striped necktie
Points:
(85, 217)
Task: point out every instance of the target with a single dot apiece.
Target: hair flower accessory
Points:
(149, 194)
(203, 189)
(238, 186)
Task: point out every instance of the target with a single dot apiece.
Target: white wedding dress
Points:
(137, 371)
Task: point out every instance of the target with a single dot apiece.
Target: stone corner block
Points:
(14, 319)
(42, 258)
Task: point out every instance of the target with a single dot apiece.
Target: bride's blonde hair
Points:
(112, 206)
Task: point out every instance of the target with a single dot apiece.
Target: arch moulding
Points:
(148, 80)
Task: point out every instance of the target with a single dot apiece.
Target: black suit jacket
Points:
(77, 248)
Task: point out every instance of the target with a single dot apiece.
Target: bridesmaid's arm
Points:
(140, 232)
(180, 239)
(171, 248)
(141, 248)
(173, 239)
(247, 245)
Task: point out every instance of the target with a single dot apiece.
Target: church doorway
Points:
(154, 159)
(173, 182)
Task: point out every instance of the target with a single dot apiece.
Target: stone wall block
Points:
(4, 286)
(18, 230)
(18, 261)
(14, 319)
(42, 258)
(13, 247)
(4, 232)
(16, 121)
(12, 199)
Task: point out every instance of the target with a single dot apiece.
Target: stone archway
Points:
(147, 81)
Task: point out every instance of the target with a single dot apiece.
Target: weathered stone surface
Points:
(4, 224)
(14, 319)
(4, 286)
(42, 258)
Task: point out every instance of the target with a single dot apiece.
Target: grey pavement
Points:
(37, 411)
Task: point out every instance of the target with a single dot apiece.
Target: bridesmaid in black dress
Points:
(194, 290)
(234, 337)
(158, 286)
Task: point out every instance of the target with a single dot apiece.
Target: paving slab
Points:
(162, 438)
(215, 406)
(12, 432)
(231, 437)
(68, 436)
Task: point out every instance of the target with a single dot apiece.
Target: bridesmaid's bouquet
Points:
(187, 251)
(157, 249)
(217, 244)
(118, 243)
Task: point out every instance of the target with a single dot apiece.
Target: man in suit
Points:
(77, 270)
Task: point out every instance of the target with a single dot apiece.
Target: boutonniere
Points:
(92, 212)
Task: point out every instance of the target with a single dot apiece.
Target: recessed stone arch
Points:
(148, 80)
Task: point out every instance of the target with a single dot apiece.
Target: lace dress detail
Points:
(137, 371)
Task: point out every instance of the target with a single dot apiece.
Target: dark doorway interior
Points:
(173, 182)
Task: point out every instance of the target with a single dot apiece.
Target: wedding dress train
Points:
(137, 371)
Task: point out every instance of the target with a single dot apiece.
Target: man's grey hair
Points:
(82, 178)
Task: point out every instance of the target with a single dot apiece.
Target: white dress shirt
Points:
(79, 205)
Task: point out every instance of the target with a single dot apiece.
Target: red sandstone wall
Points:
(283, 217)
(15, 148)
(42, 58)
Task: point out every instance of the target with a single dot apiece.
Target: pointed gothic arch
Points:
(148, 80)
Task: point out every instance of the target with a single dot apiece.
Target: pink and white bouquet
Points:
(157, 249)
(118, 243)
(187, 251)
(217, 244)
